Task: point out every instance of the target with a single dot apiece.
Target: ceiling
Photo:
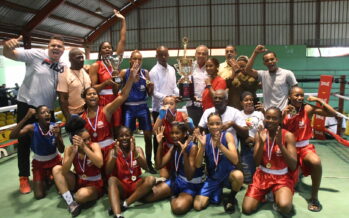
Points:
(78, 21)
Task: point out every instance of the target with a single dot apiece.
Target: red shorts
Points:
(128, 187)
(43, 169)
(84, 183)
(117, 115)
(301, 153)
(265, 182)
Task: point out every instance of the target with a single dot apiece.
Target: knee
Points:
(316, 162)
(247, 209)
(199, 205)
(178, 207)
(149, 181)
(237, 176)
(56, 170)
(284, 207)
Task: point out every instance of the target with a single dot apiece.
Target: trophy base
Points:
(186, 91)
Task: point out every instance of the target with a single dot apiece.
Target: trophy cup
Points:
(115, 64)
(185, 69)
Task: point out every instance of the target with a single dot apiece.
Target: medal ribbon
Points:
(216, 156)
(94, 128)
(83, 165)
(270, 149)
(130, 168)
(177, 160)
(110, 72)
(49, 132)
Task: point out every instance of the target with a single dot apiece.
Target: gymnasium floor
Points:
(333, 194)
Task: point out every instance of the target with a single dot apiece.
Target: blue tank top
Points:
(42, 144)
(224, 166)
(198, 172)
(138, 91)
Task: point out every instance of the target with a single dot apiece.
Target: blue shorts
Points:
(213, 188)
(140, 112)
(178, 185)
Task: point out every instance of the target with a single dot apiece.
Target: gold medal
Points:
(268, 165)
(133, 178)
(83, 176)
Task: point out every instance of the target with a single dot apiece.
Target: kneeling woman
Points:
(221, 158)
(87, 159)
(185, 180)
(275, 153)
(124, 163)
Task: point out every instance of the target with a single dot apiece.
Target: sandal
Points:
(314, 205)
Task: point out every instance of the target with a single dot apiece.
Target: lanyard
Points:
(130, 168)
(94, 128)
(177, 160)
(83, 165)
(110, 72)
(270, 148)
(49, 132)
(216, 156)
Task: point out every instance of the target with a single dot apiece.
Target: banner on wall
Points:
(324, 93)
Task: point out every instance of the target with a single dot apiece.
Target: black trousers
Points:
(195, 113)
(155, 115)
(23, 150)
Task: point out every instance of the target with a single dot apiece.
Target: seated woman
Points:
(274, 153)
(124, 163)
(253, 119)
(221, 158)
(45, 139)
(185, 181)
(86, 156)
(167, 114)
(98, 118)
(297, 119)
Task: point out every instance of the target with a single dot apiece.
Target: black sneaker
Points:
(229, 205)
(74, 209)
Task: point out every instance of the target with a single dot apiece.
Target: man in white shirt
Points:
(163, 76)
(71, 83)
(276, 81)
(194, 108)
(232, 118)
(38, 88)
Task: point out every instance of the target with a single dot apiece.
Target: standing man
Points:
(38, 88)
(276, 81)
(194, 108)
(225, 68)
(163, 76)
(72, 83)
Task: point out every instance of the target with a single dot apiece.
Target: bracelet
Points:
(208, 86)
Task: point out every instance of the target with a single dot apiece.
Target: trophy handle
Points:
(176, 66)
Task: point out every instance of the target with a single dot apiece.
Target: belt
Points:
(91, 178)
(44, 157)
(301, 144)
(106, 92)
(106, 142)
(135, 103)
(196, 180)
(274, 172)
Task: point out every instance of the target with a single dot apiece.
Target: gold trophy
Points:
(185, 69)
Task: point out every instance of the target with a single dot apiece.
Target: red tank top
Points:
(103, 73)
(277, 160)
(85, 166)
(123, 167)
(103, 127)
(299, 125)
(168, 126)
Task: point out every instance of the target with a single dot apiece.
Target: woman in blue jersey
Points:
(185, 180)
(45, 140)
(219, 152)
(135, 106)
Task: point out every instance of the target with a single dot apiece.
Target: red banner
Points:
(324, 93)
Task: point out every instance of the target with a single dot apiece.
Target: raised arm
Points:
(249, 67)
(69, 154)
(63, 103)
(122, 41)
(288, 151)
(116, 103)
(230, 152)
(260, 138)
(10, 48)
(201, 137)
(19, 131)
(161, 161)
(326, 110)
